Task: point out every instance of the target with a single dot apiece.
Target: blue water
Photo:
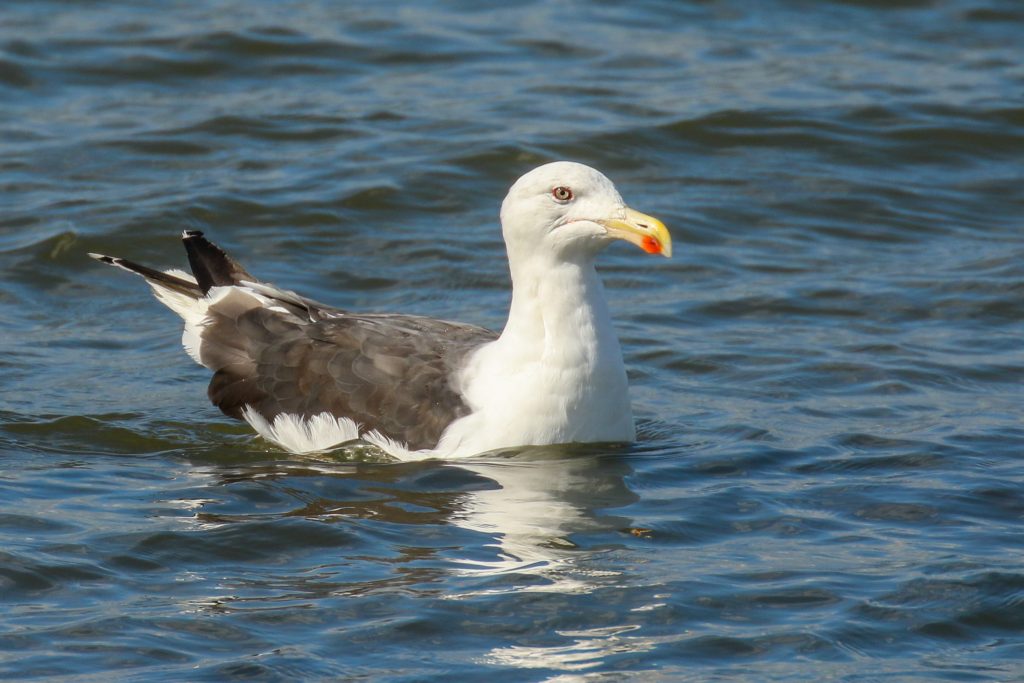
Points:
(828, 376)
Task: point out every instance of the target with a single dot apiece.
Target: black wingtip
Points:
(210, 265)
(153, 276)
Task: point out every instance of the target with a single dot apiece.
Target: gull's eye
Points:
(562, 194)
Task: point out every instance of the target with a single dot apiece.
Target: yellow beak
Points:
(646, 232)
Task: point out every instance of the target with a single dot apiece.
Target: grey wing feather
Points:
(289, 354)
(389, 373)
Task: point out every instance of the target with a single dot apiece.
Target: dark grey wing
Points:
(390, 373)
(278, 352)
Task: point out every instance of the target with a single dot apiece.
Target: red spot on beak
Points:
(650, 245)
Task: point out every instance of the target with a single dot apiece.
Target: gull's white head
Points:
(570, 211)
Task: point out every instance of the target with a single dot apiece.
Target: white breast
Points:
(554, 376)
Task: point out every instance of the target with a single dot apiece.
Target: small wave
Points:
(42, 244)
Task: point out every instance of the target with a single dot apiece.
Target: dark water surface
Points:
(828, 377)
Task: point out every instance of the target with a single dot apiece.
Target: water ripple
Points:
(826, 378)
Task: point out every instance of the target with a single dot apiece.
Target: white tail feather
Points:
(191, 310)
(292, 433)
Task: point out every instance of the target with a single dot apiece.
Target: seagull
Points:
(310, 377)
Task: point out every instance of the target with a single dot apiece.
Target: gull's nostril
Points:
(644, 226)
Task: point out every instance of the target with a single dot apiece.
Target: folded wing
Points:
(279, 354)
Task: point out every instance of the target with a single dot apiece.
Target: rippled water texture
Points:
(827, 377)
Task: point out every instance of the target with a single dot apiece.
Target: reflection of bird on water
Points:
(537, 504)
(311, 377)
(528, 505)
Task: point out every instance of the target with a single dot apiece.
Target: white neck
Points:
(555, 375)
(556, 302)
